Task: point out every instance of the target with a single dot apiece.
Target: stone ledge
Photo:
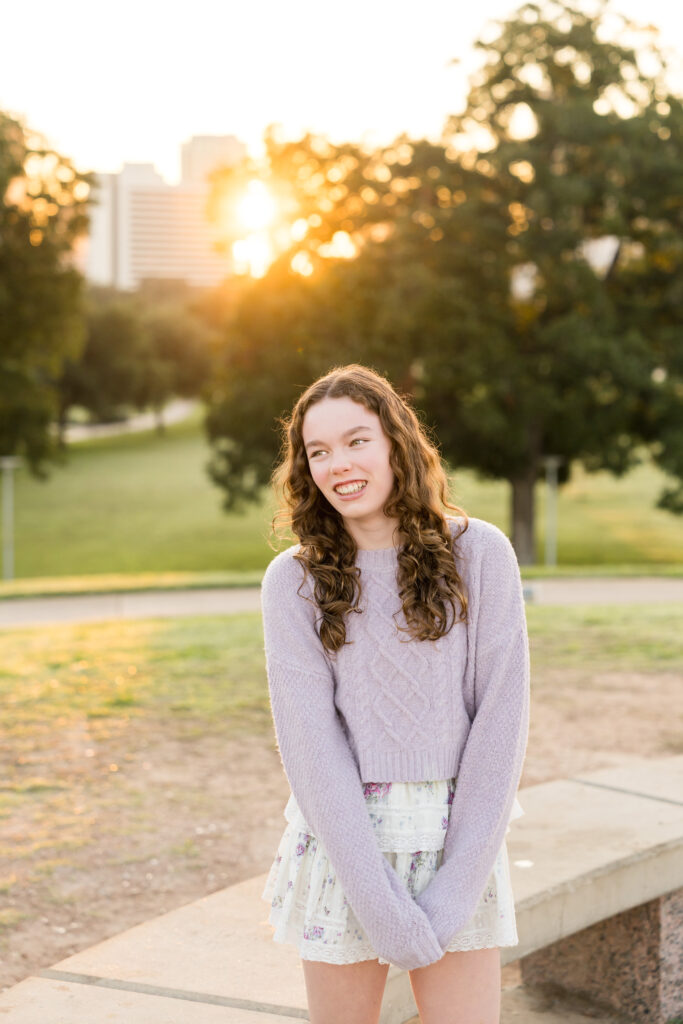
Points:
(631, 963)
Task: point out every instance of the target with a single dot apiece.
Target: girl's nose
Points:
(340, 462)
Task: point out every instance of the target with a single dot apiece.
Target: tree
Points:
(316, 306)
(475, 283)
(109, 372)
(270, 351)
(177, 357)
(141, 349)
(579, 144)
(42, 214)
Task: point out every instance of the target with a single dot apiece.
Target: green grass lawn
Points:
(197, 670)
(208, 673)
(143, 503)
(614, 638)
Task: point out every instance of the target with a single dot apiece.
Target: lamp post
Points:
(552, 463)
(8, 463)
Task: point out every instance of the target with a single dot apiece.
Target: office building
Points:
(145, 229)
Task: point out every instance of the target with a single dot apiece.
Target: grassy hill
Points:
(143, 503)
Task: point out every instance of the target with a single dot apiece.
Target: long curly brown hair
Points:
(428, 581)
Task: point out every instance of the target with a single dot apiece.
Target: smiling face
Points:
(348, 458)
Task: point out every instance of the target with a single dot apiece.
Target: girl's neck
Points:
(384, 536)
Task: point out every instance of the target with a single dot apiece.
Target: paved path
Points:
(605, 590)
(173, 412)
(37, 611)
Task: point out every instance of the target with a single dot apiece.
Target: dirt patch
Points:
(132, 820)
(582, 721)
(178, 819)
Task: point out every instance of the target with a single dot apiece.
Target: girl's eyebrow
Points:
(352, 430)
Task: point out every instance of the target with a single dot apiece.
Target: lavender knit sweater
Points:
(388, 708)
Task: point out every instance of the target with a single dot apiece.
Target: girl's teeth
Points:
(351, 489)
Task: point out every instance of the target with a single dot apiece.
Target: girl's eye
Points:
(318, 451)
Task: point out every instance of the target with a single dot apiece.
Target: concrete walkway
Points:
(215, 960)
(39, 611)
(605, 590)
(69, 998)
(173, 412)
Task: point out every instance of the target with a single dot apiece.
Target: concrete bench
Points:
(597, 871)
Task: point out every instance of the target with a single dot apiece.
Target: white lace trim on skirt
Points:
(309, 910)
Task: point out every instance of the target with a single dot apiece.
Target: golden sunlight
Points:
(261, 217)
(341, 247)
(299, 229)
(256, 210)
(301, 264)
(253, 254)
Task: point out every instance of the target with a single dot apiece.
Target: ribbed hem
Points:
(410, 765)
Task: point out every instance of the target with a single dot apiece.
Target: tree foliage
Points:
(109, 371)
(477, 283)
(178, 355)
(42, 213)
(581, 141)
(139, 352)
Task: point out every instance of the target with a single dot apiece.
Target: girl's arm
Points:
(491, 762)
(323, 773)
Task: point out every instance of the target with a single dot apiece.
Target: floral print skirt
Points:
(309, 910)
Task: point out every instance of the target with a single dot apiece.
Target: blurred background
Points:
(201, 216)
(205, 207)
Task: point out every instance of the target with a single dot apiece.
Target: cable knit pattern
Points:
(389, 708)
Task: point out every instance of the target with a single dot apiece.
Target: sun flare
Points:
(257, 209)
(253, 254)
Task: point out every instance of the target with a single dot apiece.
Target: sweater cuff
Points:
(427, 946)
(430, 902)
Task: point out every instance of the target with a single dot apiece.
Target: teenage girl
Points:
(398, 672)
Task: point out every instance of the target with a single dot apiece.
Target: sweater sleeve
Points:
(492, 759)
(323, 774)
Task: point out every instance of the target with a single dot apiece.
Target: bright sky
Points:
(132, 80)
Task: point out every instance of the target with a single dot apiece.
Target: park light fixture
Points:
(8, 463)
(552, 463)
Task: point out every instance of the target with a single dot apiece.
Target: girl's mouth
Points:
(351, 490)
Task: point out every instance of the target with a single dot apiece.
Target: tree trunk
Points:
(522, 516)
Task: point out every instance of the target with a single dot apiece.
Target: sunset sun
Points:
(256, 210)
